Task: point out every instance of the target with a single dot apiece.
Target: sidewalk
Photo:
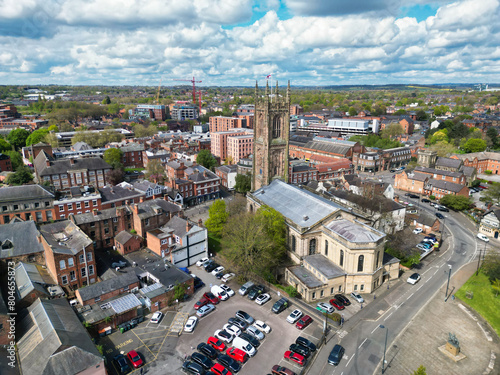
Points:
(429, 329)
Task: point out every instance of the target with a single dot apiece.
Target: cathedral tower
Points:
(270, 137)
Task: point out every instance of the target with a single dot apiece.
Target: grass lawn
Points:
(484, 300)
(213, 243)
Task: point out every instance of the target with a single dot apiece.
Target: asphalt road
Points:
(363, 338)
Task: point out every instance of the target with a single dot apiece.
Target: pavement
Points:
(428, 330)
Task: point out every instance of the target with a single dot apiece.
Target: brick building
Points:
(104, 290)
(444, 175)
(5, 164)
(32, 151)
(27, 202)
(32, 281)
(301, 173)
(223, 124)
(482, 161)
(440, 188)
(76, 202)
(411, 181)
(239, 147)
(328, 150)
(336, 169)
(218, 146)
(126, 242)
(132, 155)
(227, 175)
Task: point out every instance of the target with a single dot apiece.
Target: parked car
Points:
(297, 348)
(483, 237)
(425, 200)
(135, 359)
(205, 310)
(305, 342)
(119, 263)
(227, 277)
(191, 324)
(193, 368)
(202, 302)
(422, 247)
(304, 322)
(244, 316)
(263, 298)
(439, 216)
(211, 266)
(427, 245)
(255, 332)
(198, 283)
(295, 357)
(215, 271)
(417, 230)
(357, 297)
(294, 316)
(219, 275)
(413, 279)
(431, 240)
(218, 369)
(223, 335)
(216, 343)
(233, 330)
(249, 338)
(255, 291)
(220, 293)
(336, 355)
(343, 299)
(414, 196)
(156, 317)
(245, 287)
(207, 349)
(237, 354)
(281, 370)
(262, 326)
(337, 304)
(229, 362)
(121, 363)
(244, 345)
(211, 297)
(443, 208)
(227, 289)
(241, 324)
(324, 307)
(202, 262)
(280, 305)
(202, 360)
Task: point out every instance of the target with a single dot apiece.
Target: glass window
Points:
(70, 262)
(294, 243)
(355, 287)
(78, 205)
(341, 262)
(89, 256)
(64, 280)
(360, 263)
(91, 270)
(72, 275)
(314, 295)
(84, 272)
(61, 208)
(326, 248)
(87, 203)
(312, 246)
(362, 287)
(82, 258)
(62, 264)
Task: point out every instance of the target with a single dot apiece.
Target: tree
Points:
(492, 133)
(114, 176)
(420, 371)
(113, 156)
(352, 111)
(17, 138)
(392, 130)
(51, 139)
(4, 145)
(142, 131)
(456, 202)
(495, 284)
(421, 115)
(243, 183)
(206, 159)
(492, 194)
(21, 176)
(37, 136)
(106, 100)
(53, 128)
(491, 266)
(179, 291)
(474, 145)
(15, 159)
(217, 217)
(443, 148)
(155, 171)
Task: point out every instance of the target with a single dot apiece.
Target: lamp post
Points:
(448, 284)
(385, 346)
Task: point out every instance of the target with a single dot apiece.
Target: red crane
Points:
(193, 81)
(199, 99)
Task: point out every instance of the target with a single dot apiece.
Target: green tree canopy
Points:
(243, 183)
(474, 145)
(491, 266)
(155, 171)
(17, 138)
(15, 159)
(113, 156)
(492, 194)
(420, 371)
(206, 159)
(106, 100)
(4, 145)
(392, 130)
(492, 133)
(53, 128)
(115, 176)
(217, 217)
(37, 136)
(21, 176)
(142, 131)
(456, 202)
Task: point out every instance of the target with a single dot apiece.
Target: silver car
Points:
(255, 333)
(357, 297)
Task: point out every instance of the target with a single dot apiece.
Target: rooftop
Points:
(324, 266)
(305, 276)
(98, 289)
(15, 193)
(355, 231)
(19, 238)
(64, 237)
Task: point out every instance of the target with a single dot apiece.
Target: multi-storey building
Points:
(323, 150)
(132, 155)
(440, 188)
(77, 203)
(152, 111)
(482, 161)
(5, 164)
(239, 147)
(223, 124)
(382, 160)
(353, 127)
(219, 141)
(64, 174)
(184, 112)
(227, 174)
(330, 171)
(301, 173)
(444, 175)
(27, 202)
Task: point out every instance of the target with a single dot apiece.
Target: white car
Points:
(262, 326)
(413, 279)
(357, 297)
(156, 317)
(482, 237)
(263, 298)
(227, 277)
(217, 270)
(228, 290)
(191, 324)
(417, 230)
(202, 262)
(233, 330)
(294, 316)
(224, 335)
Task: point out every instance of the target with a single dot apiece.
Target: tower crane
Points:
(193, 81)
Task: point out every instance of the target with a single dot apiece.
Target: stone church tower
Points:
(427, 158)
(270, 138)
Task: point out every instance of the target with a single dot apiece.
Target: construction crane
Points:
(158, 93)
(199, 100)
(193, 81)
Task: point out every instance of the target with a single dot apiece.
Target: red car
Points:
(296, 357)
(337, 304)
(216, 343)
(135, 359)
(304, 322)
(202, 302)
(220, 370)
(280, 370)
(213, 299)
(237, 354)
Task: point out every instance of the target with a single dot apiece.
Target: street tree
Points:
(491, 266)
(21, 176)
(17, 138)
(392, 130)
(155, 171)
(15, 159)
(456, 202)
(113, 156)
(37, 136)
(4, 145)
(243, 183)
(492, 194)
(420, 371)
(217, 217)
(206, 159)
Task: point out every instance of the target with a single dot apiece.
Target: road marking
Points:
(347, 364)
(435, 272)
(387, 317)
(360, 345)
(420, 287)
(374, 329)
(410, 296)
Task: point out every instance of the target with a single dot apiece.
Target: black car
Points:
(425, 200)
(306, 343)
(439, 216)
(121, 363)
(219, 275)
(208, 264)
(252, 340)
(413, 196)
(342, 299)
(430, 235)
(198, 283)
(255, 291)
(336, 355)
(208, 350)
(280, 305)
(297, 348)
(201, 359)
(193, 368)
(443, 208)
(211, 267)
(229, 363)
(241, 324)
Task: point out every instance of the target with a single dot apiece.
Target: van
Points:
(244, 345)
(219, 292)
(73, 302)
(245, 287)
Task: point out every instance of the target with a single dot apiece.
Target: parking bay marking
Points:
(360, 345)
(347, 364)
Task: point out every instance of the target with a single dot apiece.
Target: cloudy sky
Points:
(235, 42)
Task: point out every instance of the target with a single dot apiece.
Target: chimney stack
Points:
(72, 161)
(187, 226)
(136, 208)
(94, 211)
(47, 162)
(141, 199)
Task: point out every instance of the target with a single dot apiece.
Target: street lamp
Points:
(448, 284)
(385, 346)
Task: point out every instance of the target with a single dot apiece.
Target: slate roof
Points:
(438, 172)
(448, 162)
(445, 185)
(146, 209)
(426, 219)
(123, 237)
(468, 171)
(23, 236)
(81, 146)
(65, 237)
(98, 289)
(302, 168)
(484, 155)
(30, 277)
(129, 147)
(299, 206)
(116, 193)
(15, 193)
(355, 231)
(384, 204)
(417, 176)
(54, 342)
(64, 165)
(324, 266)
(331, 147)
(144, 185)
(228, 168)
(178, 225)
(305, 276)
(89, 217)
